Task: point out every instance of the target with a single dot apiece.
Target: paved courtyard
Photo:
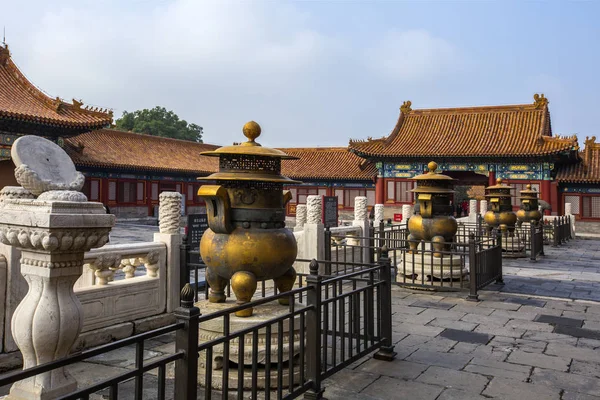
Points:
(536, 337)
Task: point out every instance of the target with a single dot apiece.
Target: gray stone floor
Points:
(536, 337)
(131, 233)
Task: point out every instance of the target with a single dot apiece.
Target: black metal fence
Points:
(485, 264)
(329, 323)
(472, 261)
(561, 229)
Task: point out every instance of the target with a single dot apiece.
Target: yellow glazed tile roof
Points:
(492, 131)
(21, 100)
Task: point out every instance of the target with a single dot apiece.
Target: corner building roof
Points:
(22, 102)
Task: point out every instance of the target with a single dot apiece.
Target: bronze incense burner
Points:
(433, 220)
(247, 240)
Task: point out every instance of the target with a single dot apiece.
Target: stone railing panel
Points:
(107, 301)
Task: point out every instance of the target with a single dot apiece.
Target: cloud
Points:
(414, 55)
(222, 63)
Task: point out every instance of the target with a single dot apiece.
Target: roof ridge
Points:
(154, 137)
(496, 108)
(324, 148)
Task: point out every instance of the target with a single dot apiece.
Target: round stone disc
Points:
(44, 157)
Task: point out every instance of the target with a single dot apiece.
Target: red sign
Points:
(397, 217)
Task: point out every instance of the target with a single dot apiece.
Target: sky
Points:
(311, 73)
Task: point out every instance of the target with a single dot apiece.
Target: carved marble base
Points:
(453, 267)
(213, 329)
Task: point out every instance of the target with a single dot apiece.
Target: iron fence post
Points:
(313, 332)
(381, 238)
(473, 296)
(386, 352)
(555, 226)
(533, 239)
(327, 238)
(184, 260)
(499, 279)
(541, 227)
(186, 341)
(371, 236)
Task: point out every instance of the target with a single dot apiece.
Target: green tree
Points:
(159, 122)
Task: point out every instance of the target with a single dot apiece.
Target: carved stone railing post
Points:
(300, 217)
(378, 213)
(361, 219)
(406, 212)
(361, 212)
(169, 226)
(483, 207)
(313, 209)
(472, 210)
(53, 231)
(313, 243)
(169, 210)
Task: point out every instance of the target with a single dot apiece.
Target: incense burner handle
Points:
(218, 208)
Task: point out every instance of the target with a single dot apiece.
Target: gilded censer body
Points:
(247, 240)
(434, 220)
(529, 207)
(500, 212)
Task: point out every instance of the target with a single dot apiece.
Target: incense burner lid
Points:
(249, 161)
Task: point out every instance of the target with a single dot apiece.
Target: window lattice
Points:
(574, 200)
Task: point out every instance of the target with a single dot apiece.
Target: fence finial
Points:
(314, 267)
(384, 250)
(187, 296)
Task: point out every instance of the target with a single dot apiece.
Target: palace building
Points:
(475, 145)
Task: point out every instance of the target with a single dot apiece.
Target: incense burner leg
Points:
(217, 286)
(438, 245)
(412, 243)
(244, 285)
(285, 283)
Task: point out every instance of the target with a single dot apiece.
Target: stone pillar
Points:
(569, 212)
(378, 213)
(406, 212)
(361, 219)
(361, 212)
(169, 234)
(473, 210)
(314, 209)
(53, 236)
(300, 217)
(312, 244)
(53, 232)
(483, 207)
(169, 209)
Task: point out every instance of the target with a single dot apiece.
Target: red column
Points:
(556, 206)
(492, 178)
(380, 190)
(546, 195)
